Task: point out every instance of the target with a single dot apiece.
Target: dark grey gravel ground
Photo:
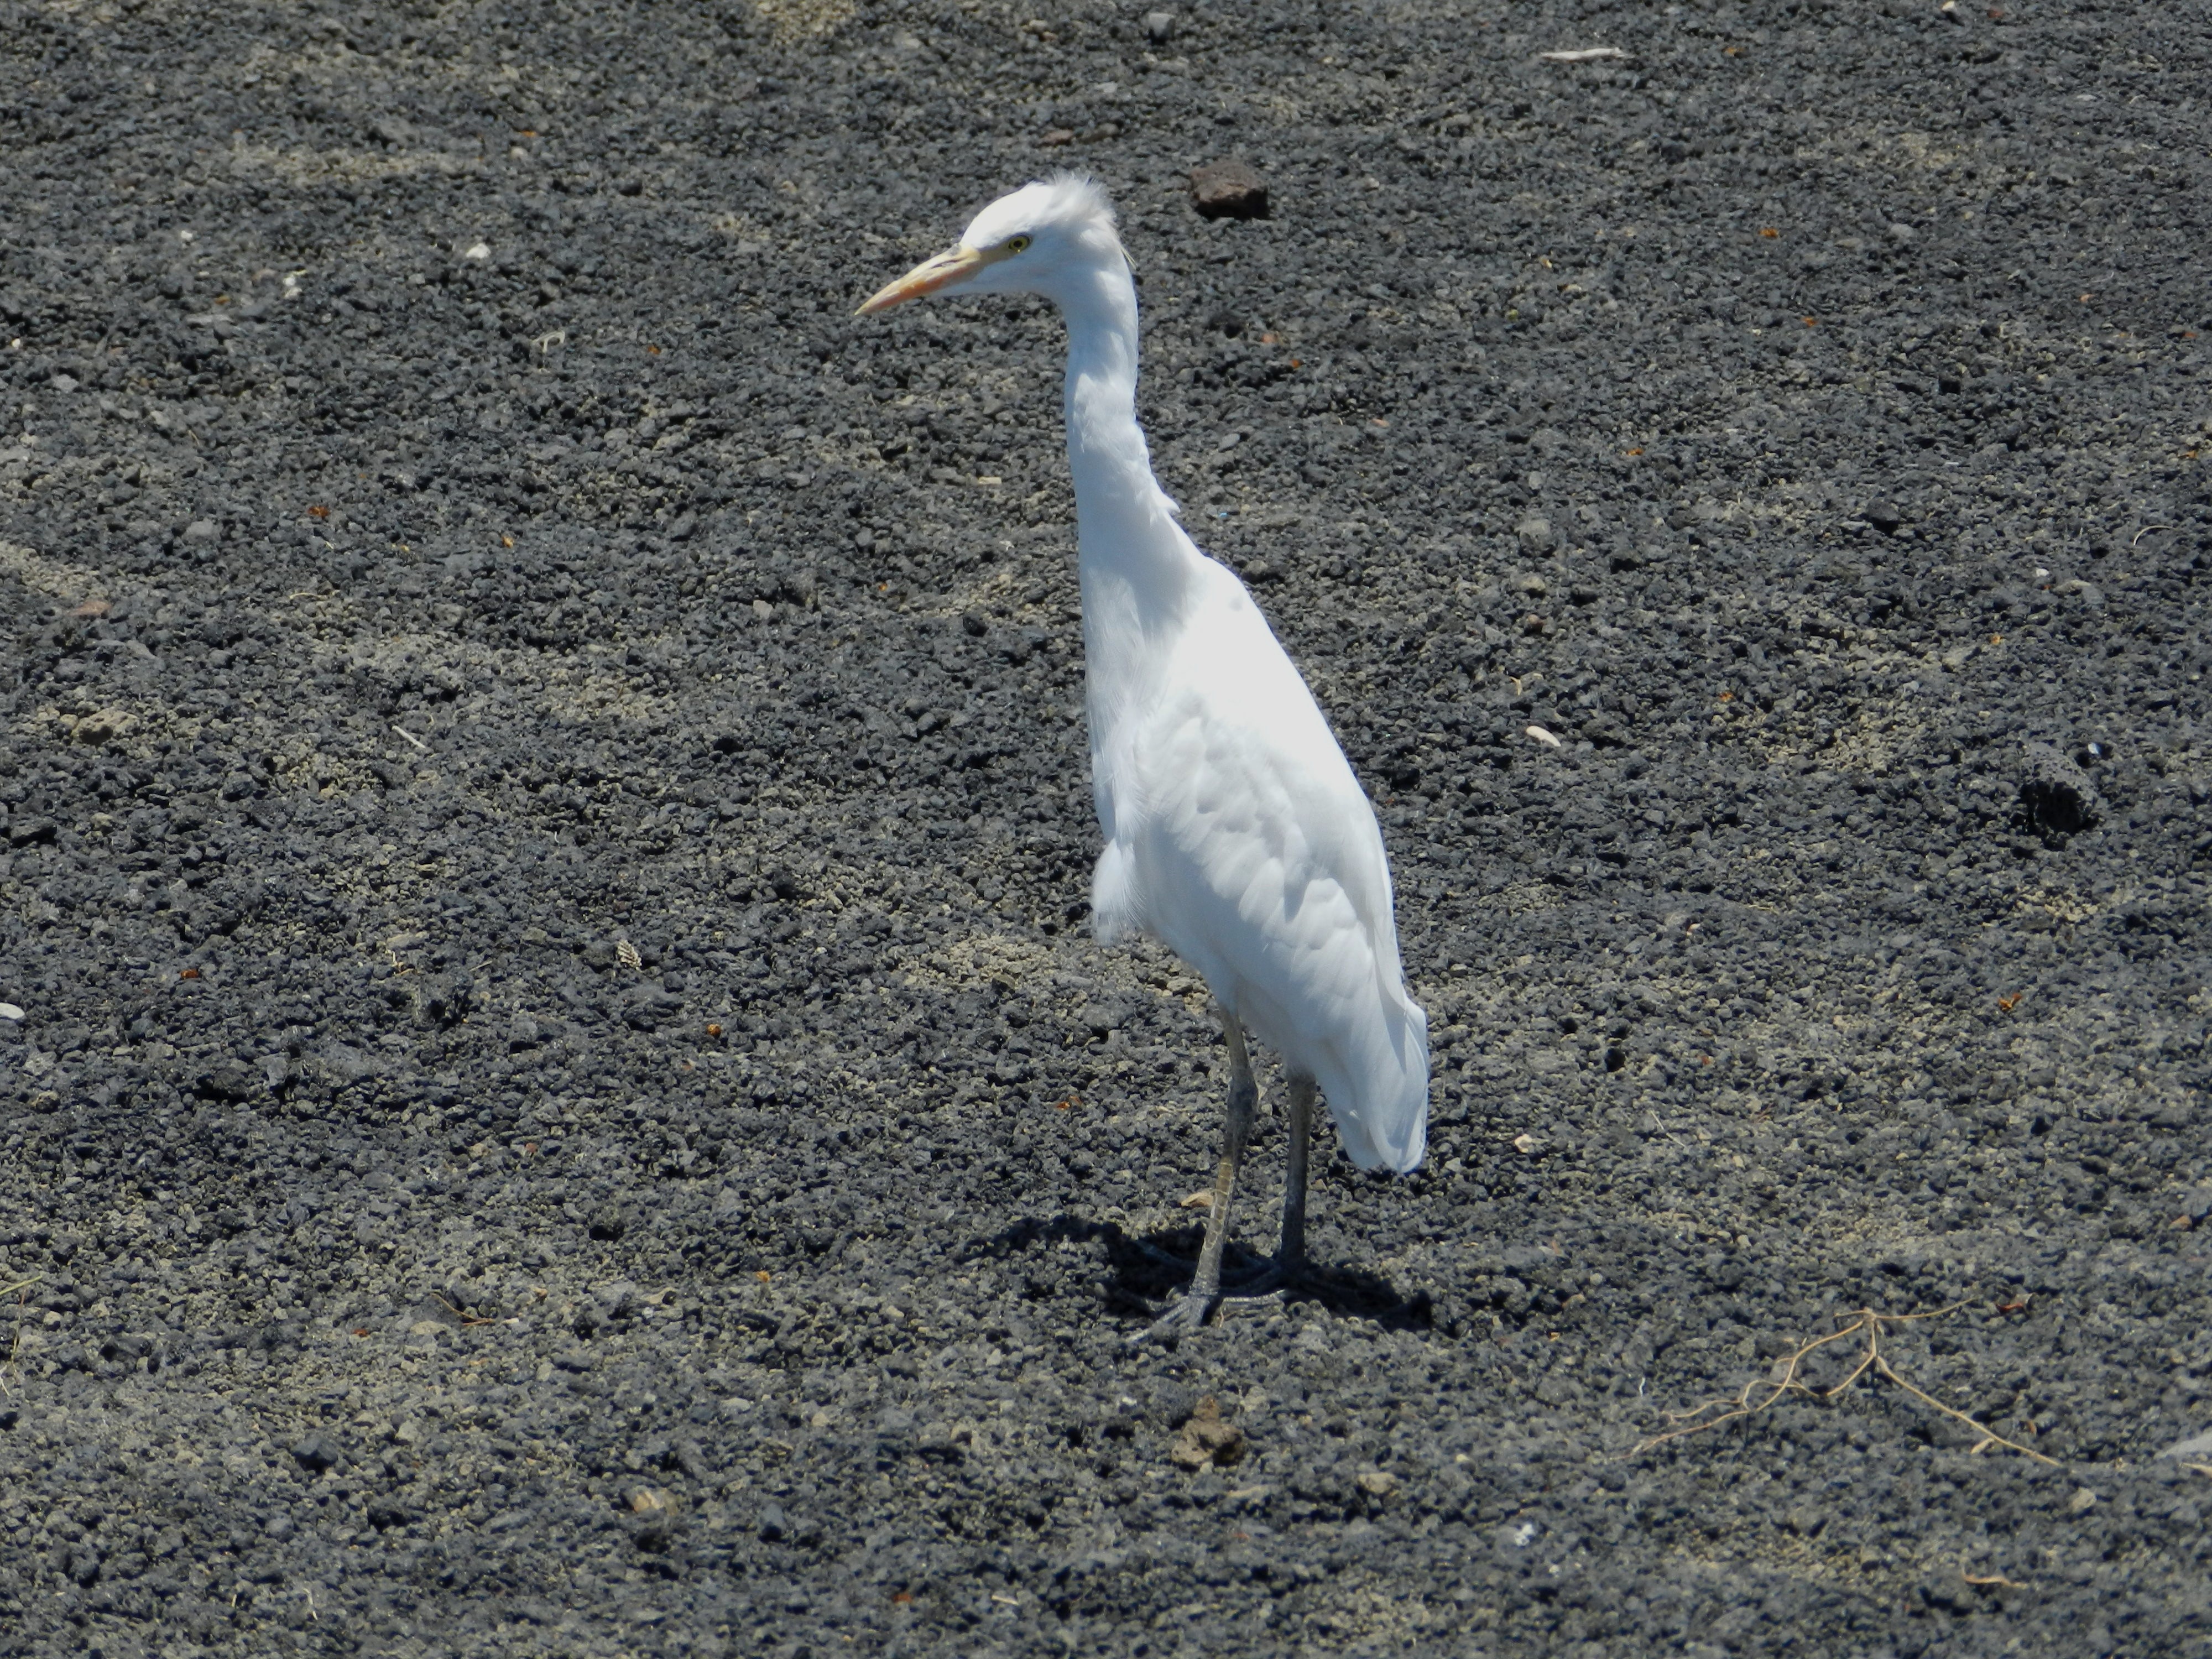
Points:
(564, 1103)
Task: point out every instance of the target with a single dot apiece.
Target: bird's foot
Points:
(1189, 1314)
(1271, 1280)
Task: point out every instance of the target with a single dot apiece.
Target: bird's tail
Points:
(1381, 1103)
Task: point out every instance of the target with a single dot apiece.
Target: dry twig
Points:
(465, 1317)
(1785, 1379)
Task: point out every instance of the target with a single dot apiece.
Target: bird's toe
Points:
(1188, 1315)
(1264, 1281)
(1245, 1297)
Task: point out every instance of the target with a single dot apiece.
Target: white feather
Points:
(1236, 833)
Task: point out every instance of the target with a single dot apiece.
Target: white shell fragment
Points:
(1543, 737)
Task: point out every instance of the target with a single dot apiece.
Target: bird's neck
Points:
(1133, 554)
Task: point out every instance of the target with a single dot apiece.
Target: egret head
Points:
(1041, 239)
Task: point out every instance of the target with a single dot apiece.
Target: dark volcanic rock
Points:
(2055, 791)
(1228, 189)
(562, 1098)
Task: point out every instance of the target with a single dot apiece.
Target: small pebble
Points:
(1159, 27)
(99, 728)
(316, 1452)
(10, 1011)
(1206, 1440)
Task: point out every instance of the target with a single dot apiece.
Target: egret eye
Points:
(1016, 244)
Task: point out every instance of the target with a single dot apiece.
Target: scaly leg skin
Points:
(1289, 1267)
(1205, 1294)
(1291, 1252)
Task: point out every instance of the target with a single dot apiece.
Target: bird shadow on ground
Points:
(1146, 1272)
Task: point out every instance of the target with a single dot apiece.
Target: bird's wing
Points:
(1269, 802)
(1257, 858)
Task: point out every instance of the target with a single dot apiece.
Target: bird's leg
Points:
(1204, 1292)
(1289, 1267)
(1291, 1252)
(1243, 1100)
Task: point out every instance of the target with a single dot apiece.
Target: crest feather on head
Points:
(1080, 196)
(1070, 202)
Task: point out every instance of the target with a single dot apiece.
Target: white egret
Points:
(1236, 833)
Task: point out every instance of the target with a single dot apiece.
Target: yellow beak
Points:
(953, 265)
